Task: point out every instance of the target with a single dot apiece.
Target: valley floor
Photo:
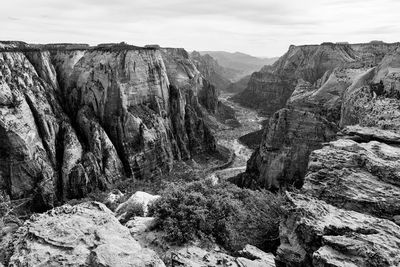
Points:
(250, 121)
(228, 136)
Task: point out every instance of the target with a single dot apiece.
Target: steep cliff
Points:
(325, 99)
(346, 211)
(78, 118)
(270, 88)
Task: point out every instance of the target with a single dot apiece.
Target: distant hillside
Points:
(243, 63)
(217, 75)
(238, 86)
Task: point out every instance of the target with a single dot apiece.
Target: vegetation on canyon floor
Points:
(223, 213)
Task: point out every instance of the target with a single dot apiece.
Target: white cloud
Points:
(259, 27)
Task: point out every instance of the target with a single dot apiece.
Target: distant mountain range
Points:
(243, 63)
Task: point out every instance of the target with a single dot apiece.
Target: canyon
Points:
(319, 128)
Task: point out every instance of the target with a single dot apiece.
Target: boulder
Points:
(136, 205)
(87, 234)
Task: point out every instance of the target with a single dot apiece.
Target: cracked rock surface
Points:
(318, 234)
(87, 234)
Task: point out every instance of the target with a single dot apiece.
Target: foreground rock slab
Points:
(87, 234)
(193, 256)
(363, 177)
(318, 234)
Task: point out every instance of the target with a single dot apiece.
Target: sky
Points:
(258, 27)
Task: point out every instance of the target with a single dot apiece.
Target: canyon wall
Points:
(331, 89)
(217, 75)
(75, 118)
(337, 141)
(270, 88)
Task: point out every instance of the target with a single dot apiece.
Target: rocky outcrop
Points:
(319, 234)
(333, 90)
(360, 106)
(347, 214)
(83, 235)
(75, 118)
(357, 176)
(195, 256)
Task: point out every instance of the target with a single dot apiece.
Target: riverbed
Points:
(228, 137)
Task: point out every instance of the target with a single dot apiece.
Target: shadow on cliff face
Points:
(84, 118)
(351, 89)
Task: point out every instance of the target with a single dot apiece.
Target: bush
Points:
(224, 213)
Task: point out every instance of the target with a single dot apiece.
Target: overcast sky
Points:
(257, 27)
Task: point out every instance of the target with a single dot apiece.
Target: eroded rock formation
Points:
(332, 90)
(319, 234)
(75, 118)
(270, 88)
(346, 214)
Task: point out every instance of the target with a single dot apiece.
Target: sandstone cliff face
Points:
(282, 158)
(320, 107)
(75, 119)
(266, 92)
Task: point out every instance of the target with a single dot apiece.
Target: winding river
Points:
(249, 121)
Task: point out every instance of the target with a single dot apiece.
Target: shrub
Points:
(224, 213)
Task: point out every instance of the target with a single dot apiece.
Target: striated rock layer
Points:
(75, 118)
